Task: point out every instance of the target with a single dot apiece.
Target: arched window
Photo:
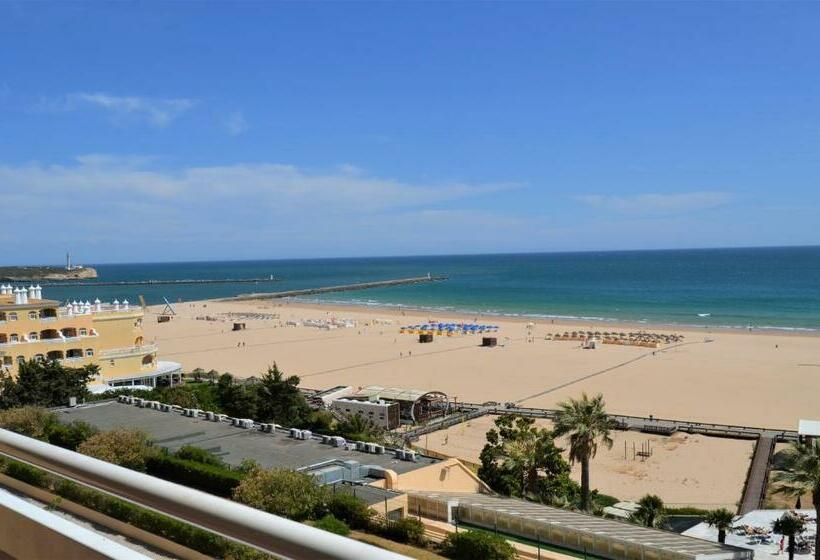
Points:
(13, 316)
(69, 332)
(4, 338)
(83, 331)
(21, 359)
(48, 313)
(33, 335)
(2, 315)
(33, 315)
(49, 334)
(74, 353)
(89, 352)
(138, 341)
(39, 358)
(14, 338)
(55, 355)
(147, 360)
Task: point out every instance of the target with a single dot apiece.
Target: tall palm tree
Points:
(586, 422)
(801, 475)
(790, 525)
(650, 512)
(721, 519)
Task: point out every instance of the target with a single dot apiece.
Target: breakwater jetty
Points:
(343, 288)
(165, 282)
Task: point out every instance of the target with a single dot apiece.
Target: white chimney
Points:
(125, 304)
(75, 307)
(18, 299)
(98, 305)
(116, 305)
(38, 291)
(4, 290)
(23, 295)
(32, 293)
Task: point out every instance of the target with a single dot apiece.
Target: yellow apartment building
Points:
(79, 333)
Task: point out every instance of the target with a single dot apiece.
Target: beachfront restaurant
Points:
(571, 531)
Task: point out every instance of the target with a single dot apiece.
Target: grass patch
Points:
(398, 548)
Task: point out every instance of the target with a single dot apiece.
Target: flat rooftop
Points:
(232, 444)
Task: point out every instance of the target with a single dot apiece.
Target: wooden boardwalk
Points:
(755, 489)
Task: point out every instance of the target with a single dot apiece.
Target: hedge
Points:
(213, 479)
(187, 535)
(467, 545)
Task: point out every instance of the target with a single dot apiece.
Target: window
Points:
(89, 352)
(33, 315)
(13, 316)
(83, 332)
(21, 359)
(33, 335)
(39, 357)
(14, 338)
(2, 316)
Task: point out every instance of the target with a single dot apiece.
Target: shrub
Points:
(70, 436)
(351, 510)
(467, 545)
(27, 474)
(405, 530)
(31, 421)
(124, 447)
(333, 525)
(282, 492)
(199, 455)
(207, 477)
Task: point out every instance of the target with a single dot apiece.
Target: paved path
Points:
(755, 490)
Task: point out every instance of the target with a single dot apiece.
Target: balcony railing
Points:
(274, 535)
(128, 351)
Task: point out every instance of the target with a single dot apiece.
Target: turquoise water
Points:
(765, 288)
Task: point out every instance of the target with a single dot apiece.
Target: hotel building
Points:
(77, 334)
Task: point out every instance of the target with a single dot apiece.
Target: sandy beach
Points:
(683, 469)
(767, 379)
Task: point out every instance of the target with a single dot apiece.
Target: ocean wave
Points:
(525, 315)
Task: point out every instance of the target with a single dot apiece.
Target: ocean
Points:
(776, 288)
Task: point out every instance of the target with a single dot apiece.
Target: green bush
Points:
(213, 479)
(351, 510)
(70, 436)
(333, 525)
(199, 455)
(467, 545)
(27, 474)
(408, 530)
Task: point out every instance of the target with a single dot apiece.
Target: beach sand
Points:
(758, 379)
(683, 469)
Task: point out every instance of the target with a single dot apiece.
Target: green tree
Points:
(124, 447)
(45, 383)
(586, 423)
(721, 519)
(789, 525)
(282, 492)
(236, 399)
(469, 545)
(333, 525)
(31, 421)
(350, 509)
(280, 400)
(801, 475)
(650, 512)
(522, 460)
(70, 436)
(358, 427)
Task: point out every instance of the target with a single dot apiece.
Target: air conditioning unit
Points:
(165, 407)
(295, 433)
(195, 412)
(221, 418)
(307, 434)
(246, 423)
(378, 449)
(326, 439)
(137, 401)
(209, 415)
(399, 454)
(267, 428)
(122, 398)
(410, 456)
(339, 441)
(360, 446)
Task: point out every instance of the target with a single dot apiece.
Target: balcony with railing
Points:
(128, 351)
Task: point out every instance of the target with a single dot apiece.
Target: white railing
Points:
(272, 534)
(128, 351)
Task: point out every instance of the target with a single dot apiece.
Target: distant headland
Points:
(31, 273)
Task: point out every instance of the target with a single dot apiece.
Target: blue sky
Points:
(142, 131)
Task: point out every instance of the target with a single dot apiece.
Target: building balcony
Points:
(128, 351)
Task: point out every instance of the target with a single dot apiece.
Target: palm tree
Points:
(586, 422)
(790, 525)
(649, 512)
(721, 519)
(801, 475)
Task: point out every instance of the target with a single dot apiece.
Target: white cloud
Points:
(656, 203)
(156, 111)
(235, 123)
(126, 208)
